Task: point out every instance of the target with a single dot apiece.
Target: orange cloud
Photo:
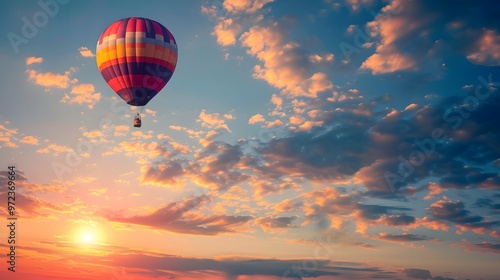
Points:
(56, 149)
(83, 93)
(5, 134)
(121, 130)
(269, 46)
(387, 58)
(179, 147)
(244, 6)
(93, 134)
(257, 118)
(32, 60)
(215, 120)
(434, 189)
(226, 31)
(85, 52)
(150, 150)
(315, 58)
(49, 79)
(30, 140)
(151, 112)
(274, 123)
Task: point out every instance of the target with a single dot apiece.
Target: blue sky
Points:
(334, 139)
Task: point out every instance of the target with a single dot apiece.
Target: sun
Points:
(87, 237)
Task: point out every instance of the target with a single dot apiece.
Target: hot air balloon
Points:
(137, 57)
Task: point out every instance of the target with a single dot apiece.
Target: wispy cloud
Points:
(179, 217)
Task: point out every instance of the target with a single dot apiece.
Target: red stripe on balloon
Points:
(144, 81)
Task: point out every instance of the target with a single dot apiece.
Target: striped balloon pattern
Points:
(137, 57)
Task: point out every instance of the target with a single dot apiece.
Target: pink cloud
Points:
(486, 50)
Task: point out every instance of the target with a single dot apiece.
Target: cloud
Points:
(54, 148)
(93, 134)
(166, 174)
(85, 52)
(151, 149)
(49, 79)
(411, 36)
(486, 50)
(226, 31)
(27, 187)
(152, 264)
(268, 44)
(270, 223)
(32, 60)
(214, 121)
(398, 220)
(30, 206)
(244, 6)
(151, 112)
(456, 213)
(356, 4)
(315, 58)
(5, 137)
(82, 94)
(402, 238)
(388, 58)
(288, 205)
(328, 205)
(30, 140)
(417, 273)
(484, 247)
(257, 118)
(178, 217)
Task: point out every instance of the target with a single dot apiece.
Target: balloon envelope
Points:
(137, 57)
